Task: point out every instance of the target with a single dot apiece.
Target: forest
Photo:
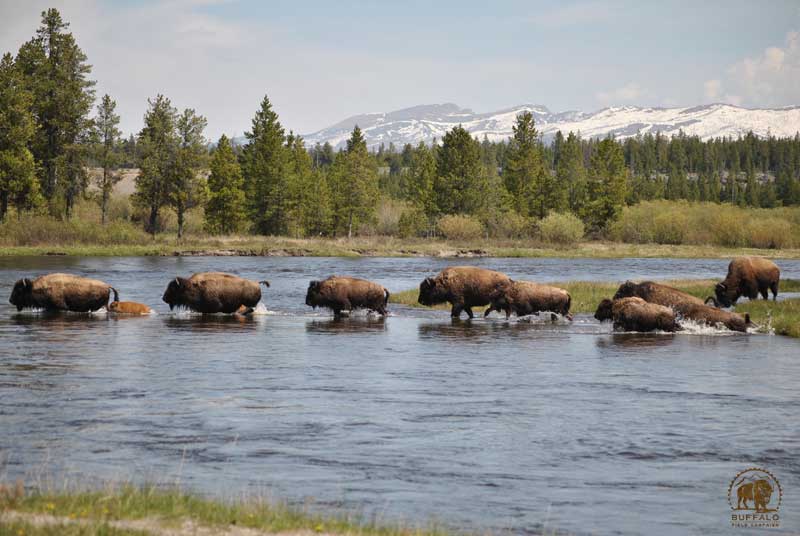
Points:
(61, 148)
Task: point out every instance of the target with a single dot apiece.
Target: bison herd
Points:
(645, 306)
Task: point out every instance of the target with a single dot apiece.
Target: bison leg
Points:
(553, 317)
(765, 293)
(455, 312)
(774, 288)
(469, 312)
(489, 310)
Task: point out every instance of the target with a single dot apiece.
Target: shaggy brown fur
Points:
(656, 293)
(635, 314)
(747, 276)
(62, 292)
(705, 314)
(527, 298)
(129, 308)
(464, 287)
(340, 293)
(213, 292)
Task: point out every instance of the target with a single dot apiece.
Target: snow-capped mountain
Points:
(424, 123)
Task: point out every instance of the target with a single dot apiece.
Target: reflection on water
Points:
(529, 425)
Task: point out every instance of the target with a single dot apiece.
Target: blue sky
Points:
(320, 62)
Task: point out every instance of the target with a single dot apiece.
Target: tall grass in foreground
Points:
(169, 508)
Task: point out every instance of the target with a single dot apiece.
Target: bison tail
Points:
(265, 283)
(385, 297)
(116, 294)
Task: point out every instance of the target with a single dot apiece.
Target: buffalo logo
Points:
(755, 497)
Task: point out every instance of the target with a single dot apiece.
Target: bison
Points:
(62, 292)
(705, 314)
(635, 314)
(747, 276)
(128, 308)
(656, 293)
(526, 298)
(464, 287)
(341, 293)
(213, 292)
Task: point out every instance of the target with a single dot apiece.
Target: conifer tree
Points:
(186, 189)
(158, 144)
(533, 188)
(572, 173)
(354, 185)
(225, 209)
(18, 184)
(461, 185)
(106, 139)
(264, 162)
(56, 73)
(606, 184)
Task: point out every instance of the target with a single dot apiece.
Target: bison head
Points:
(22, 294)
(604, 310)
(723, 296)
(176, 293)
(626, 290)
(430, 293)
(313, 297)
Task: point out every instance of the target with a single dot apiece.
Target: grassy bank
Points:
(783, 316)
(131, 510)
(379, 246)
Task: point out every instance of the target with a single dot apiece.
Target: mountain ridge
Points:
(428, 122)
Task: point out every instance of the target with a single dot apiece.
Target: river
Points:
(481, 425)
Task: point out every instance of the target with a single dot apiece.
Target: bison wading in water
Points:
(635, 314)
(340, 293)
(747, 276)
(128, 308)
(213, 292)
(656, 293)
(61, 292)
(527, 298)
(711, 316)
(464, 287)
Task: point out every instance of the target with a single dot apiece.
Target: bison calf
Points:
(705, 314)
(635, 314)
(527, 298)
(213, 292)
(747, 276)
(62, 292)
(340, 293)
(128, 308)
(464, 287)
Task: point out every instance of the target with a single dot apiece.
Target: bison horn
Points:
(265, 283)
(178, 281)
(26, 283)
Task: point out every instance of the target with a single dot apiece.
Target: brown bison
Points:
(128, 308)
(213, 292)
(705, 314)
(747, 276)
(527, 298)
(464, 287)
(62, 292)
(635, 314)
(656, 293)
(340, 293)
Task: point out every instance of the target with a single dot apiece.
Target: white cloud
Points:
(772, 78)
(626, 94)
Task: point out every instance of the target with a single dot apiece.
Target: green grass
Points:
(171, 507)
(782, 316)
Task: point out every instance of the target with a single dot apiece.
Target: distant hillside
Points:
(428, 122)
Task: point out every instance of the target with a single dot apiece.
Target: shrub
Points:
(559, 228)
(458, 227)
(413, 222)
(508, 224)
(768, 233)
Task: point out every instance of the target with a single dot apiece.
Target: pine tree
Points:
(158, 147)
(264, 162)
(106, 139)
(56, 73)
(354, 185)
(571, 173)
(18, 183)
(533, 188)
(461, 182)
(187, 189)
(421, 179)
(606, 185)
(225, 209)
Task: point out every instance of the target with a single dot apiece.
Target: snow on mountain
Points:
(428, 122)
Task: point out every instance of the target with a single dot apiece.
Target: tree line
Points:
(271, 184)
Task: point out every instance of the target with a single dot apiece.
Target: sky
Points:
(322, 61)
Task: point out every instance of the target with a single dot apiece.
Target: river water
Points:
(482, 425)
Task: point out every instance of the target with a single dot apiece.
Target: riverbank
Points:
(131, 510)
(384, 246)
(781, 317)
